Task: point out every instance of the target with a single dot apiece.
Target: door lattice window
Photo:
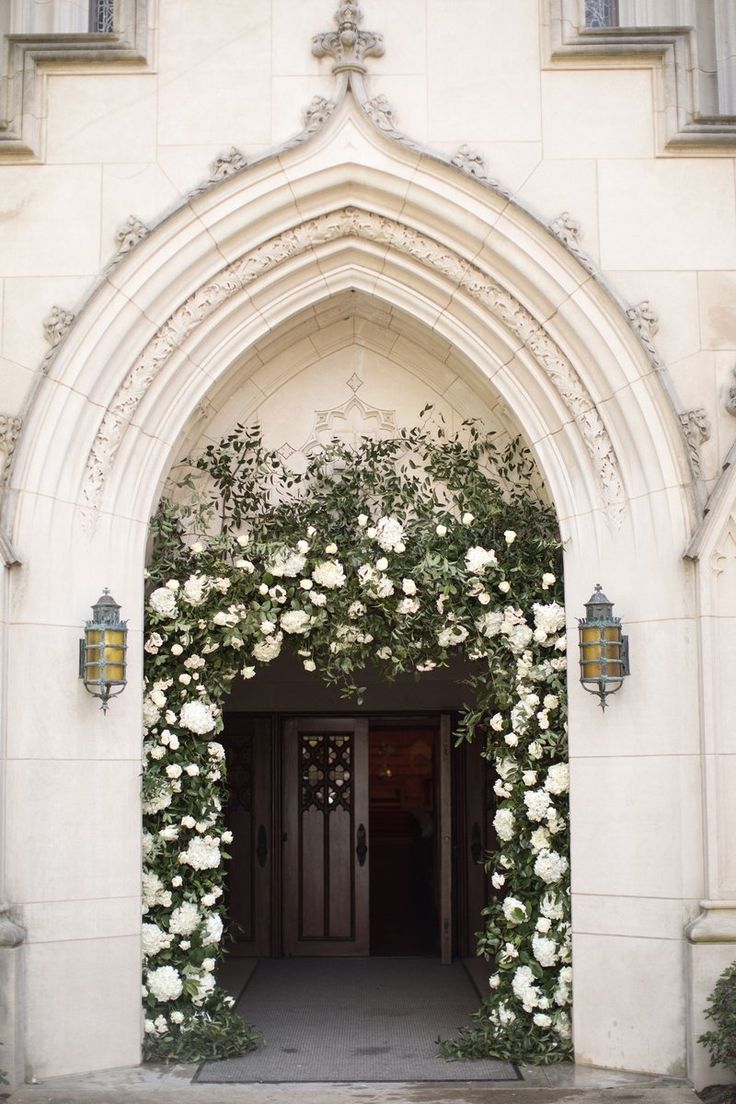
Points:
(326, 770)
(601, 13)
(101, 16)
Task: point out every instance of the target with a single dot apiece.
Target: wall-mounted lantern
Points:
(102, 651)
(604, 650)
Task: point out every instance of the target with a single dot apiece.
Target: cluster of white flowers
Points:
(478, 559)
(389, 534)
(164, 983)
(202, 853)
(197, 717)
(329, 574)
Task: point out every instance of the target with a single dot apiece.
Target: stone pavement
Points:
(554, 1085)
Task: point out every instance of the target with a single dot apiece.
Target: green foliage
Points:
(721, 1041)
(473, 565)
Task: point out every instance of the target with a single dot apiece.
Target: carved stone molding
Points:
(55, 328)
(715, 924)
(644, 320)
(354, 222)
(10, 426)
(569, 231)
(348, 45)
(696, 428)
(128, 235)
(317, 113)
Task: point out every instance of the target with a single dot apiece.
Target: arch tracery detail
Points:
(354, 222)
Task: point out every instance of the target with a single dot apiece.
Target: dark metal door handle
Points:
(476, 849)
(362, 849)
(262, 846)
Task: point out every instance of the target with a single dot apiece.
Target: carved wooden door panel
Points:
(325, 848)
(248, 750)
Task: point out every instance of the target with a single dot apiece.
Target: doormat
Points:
(360, 1019)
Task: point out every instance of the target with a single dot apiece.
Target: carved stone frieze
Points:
(10, 426)
(354, 222)
(318, 112)
(55, 329)
(696, 427)
(643, 318)
(348, 45)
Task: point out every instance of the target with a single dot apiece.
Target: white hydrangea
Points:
(213, 928)
(519, 638)
(544, 950)
(515, 910)
(286, 564)
(504, 823)
(153, 939)
(408, 605)
(158, 801)
(541, 1019)
(329, 574)
(195, 589)
(489, 625)
(452, 635)
(539, 840)
(550, 618)
(356, 610)
(537, 803)
(165, 983)
(389, 534)
(197, 717)
(268, 649)
(151, 715)
(295, 621)
(551, 906)
(163, 602)
(562, 1025)
(550, 866)
(205, 985)
(202, 853)
(558, 778)
(477, 559)
(184, 919)
(561, 995)
(524, 988)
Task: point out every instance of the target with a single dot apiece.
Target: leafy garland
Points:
(399, 553)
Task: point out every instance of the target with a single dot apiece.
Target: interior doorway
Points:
(354, 835)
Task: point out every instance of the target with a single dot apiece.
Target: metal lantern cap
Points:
(598, 607)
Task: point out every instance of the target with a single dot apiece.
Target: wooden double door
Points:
(300, 808)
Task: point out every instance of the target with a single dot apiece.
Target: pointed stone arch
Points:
(354, 208)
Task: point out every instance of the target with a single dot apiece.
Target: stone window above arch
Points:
(601, 13)
(102, 16)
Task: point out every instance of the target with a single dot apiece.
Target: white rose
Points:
(441, 530)
(192, 770)
(409, 587)
(163, 602)
(504, 587)
(468, 519)
(509, 536)
(362, 520)
(548, 580)
(329, 574)
(515, 910)
(247, 672)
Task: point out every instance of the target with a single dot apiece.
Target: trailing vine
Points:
(398, 553)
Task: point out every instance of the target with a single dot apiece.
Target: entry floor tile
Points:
(355, 1019)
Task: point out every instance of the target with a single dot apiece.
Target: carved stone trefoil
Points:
(696, 427)
(348, 45)
(317, 113)
(55, 329)
(228, 164)
(10, 426)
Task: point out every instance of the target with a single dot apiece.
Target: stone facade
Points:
(324, 226)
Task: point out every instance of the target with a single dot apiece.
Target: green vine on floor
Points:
(399, 553)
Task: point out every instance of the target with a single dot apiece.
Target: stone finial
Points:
(348, 45)
(317, 113)
(696, 427)
(130, 233)
(55, 328)
(231, 162)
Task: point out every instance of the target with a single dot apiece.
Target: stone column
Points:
(11, 990)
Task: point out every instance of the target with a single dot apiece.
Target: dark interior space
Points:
(403, 909)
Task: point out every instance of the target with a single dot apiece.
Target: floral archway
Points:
(399, 553)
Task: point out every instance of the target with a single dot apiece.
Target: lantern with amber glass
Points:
(604, 650)
(102, 652)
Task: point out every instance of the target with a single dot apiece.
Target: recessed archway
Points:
(349, 211)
